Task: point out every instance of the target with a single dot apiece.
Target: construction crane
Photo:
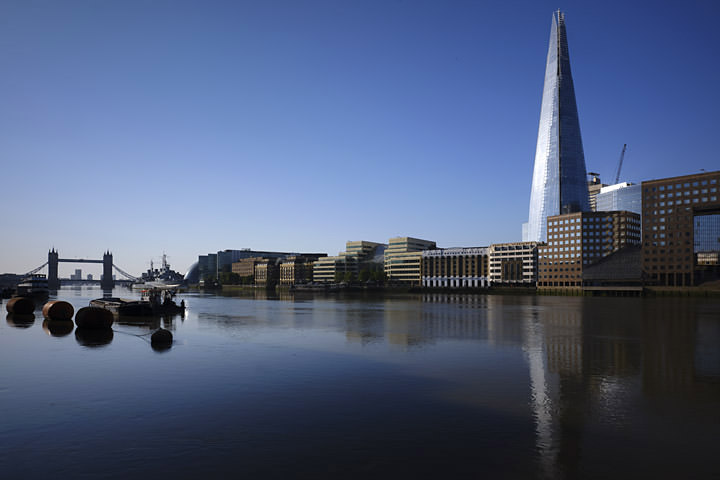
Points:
(622, 155)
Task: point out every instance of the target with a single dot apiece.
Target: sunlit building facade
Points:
(403, 258)
(621, 196)
(514, 264)
(456, 267)
(358, 255)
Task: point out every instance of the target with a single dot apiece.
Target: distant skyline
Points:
(190, 127)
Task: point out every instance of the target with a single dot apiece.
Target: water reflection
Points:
(20, 320)
(93, 337)
(58, 328)
(564, 387)
(589, 360)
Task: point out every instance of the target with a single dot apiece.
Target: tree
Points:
(365, 275)
(229, 278)
(379, 276)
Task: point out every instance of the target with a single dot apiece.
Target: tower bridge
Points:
(106, 282)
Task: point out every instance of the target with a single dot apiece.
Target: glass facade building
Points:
(559, 183)
(623, 196)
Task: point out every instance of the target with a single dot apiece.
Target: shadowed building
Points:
(559, 177)
(681, 229)
(576, 240)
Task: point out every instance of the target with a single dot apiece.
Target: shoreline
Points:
(647, 291)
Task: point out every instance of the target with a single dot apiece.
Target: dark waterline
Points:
(369, 387)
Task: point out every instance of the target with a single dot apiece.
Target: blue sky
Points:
(190, 127)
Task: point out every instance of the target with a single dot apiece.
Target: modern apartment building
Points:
(456, 267)
(403, 258)
(514, 264)
(681, 229)
(559, 177)
(579, 239)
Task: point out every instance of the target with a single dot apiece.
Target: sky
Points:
(188, 127)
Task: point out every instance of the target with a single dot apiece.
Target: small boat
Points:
(162, 301)
(35, 286)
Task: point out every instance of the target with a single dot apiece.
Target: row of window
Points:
(687, 193)
(678, 186)
(686, 201)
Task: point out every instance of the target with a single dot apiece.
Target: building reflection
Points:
(593, 359)
(680, 347)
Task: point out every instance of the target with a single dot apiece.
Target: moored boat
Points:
(123, 306)
(35, 286)
(153, 302)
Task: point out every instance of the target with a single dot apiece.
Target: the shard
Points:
(559, 182)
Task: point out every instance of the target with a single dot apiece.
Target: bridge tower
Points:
(53, 281)
(107, 282)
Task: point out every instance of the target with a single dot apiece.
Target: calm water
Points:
(370, 387)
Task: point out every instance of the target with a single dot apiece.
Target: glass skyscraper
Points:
(559, 182)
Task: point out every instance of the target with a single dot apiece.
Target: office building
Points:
(297, 270)
(559, 176)
(358, 256)
(402, 259)
(212, 264)
(576, 240)
(681, 229)
(456, 267)
(267, 272)
(621, 196)
(514, 264)
(245, 267)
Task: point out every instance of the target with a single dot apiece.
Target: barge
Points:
(153, 302)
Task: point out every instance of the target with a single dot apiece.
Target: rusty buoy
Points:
(20, 305)
(58, 328)
(93, 318)
(58, 310)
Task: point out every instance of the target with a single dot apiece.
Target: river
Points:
(358, 386)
